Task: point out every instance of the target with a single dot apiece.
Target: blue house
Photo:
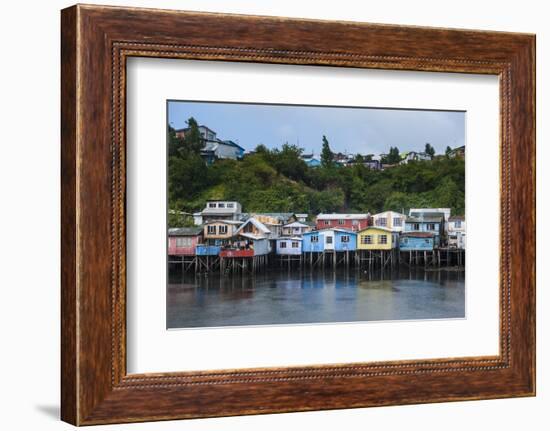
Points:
(416, 241)
(329, 240)
(207, 250)
(433, 223)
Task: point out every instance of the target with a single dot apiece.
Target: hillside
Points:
(280, 181)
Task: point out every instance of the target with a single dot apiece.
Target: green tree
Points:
(193, 141)
(448, 151)
(326, 154)
(429, 150)
(392, 157)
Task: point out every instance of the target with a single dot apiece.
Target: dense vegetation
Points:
(279, 180)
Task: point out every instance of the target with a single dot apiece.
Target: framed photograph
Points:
(265, 215)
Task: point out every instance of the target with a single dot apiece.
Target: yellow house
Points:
(377, 238)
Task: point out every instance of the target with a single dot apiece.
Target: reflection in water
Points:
(280, 297)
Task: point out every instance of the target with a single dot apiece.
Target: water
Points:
(282, 297)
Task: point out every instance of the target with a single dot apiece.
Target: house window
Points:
(183, 242)
(329, 240)
(416, 226)
(282, 244)
(355, 222)
(341, 221)
(366, 239)
(405, 240)
(223, 229)
(327, 222)
(397, 221)
(382, 239)
(211, 230)
(458, 224)
(382, 221)
(212, 205)
(230, 205)
(314, 238)
(221, 205)
(295, 244)
(345, 238)
(431, 226)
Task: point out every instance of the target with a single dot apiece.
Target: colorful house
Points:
(390, 219)
(220, 232)
(289, 246)
(296, 229)
(274, 222)
(456, 232)
(246, 245)
(377, 238)
(329, 240)
(432, 223)
(417, 241)
(183, 241)
(354, 222)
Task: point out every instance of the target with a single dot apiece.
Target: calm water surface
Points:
(290, 297)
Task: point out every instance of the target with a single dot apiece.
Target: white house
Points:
(220, 210)
(456, 232)
(289, 245)
(413, 156)
(391, 220)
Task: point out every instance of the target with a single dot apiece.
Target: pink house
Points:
(353, 222)
(182, 241)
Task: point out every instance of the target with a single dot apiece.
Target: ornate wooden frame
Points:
(95, 42)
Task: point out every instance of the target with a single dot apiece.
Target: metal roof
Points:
(259, 225)
(185, 231)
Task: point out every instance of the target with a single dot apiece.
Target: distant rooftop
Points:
(342, 216)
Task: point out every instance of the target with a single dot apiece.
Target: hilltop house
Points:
(413, 156)
(354, 222)
(377, 238)
(183, 241)
(433, 223)
(214, 147)
(456, 232)
(457, 153)
(206, 133)
(390, 219)
(219, 149)
(311, 160)
(219, 210)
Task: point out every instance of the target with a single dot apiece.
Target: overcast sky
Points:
(355, 130)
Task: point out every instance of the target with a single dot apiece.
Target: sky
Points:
(351, 130)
